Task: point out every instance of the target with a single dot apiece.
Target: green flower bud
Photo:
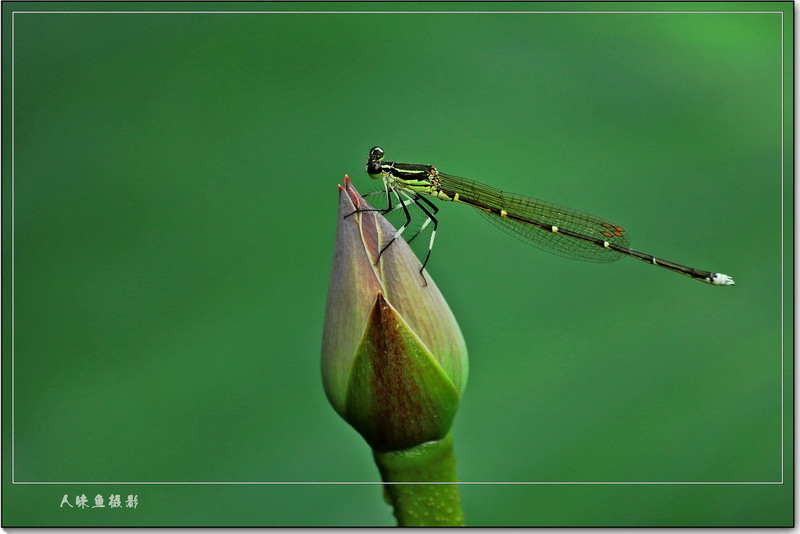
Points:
(394, 361)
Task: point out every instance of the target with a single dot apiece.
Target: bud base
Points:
(422, 504)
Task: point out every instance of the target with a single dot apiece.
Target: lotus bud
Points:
(394, 361)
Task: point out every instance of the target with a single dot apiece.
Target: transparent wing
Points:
(546, 213)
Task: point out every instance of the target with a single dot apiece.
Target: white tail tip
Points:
(719, 279)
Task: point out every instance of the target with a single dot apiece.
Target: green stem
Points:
(422, 505)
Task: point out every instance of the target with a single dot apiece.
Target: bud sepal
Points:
(398, 395)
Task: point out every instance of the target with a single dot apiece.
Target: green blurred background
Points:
(174, 215)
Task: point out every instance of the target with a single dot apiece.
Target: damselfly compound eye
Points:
(376, 153)
(373, 167)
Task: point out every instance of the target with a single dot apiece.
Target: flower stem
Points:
(422, 504)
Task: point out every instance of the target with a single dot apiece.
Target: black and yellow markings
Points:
(416, 180)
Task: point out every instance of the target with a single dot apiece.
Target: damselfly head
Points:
(375, 153)
(374, 161)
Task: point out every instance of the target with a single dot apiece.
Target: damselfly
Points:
(550, 227)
